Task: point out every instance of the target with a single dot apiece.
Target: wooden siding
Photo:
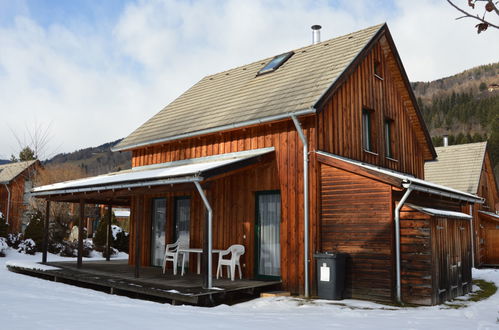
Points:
(355, 218)
(451, 247)
(17, 205)
(340, 124)
(234, 211)
(487, 189)
(435, 257)
(416, 257)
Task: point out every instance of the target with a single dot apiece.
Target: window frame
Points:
(389, 138)
(368, 133)
(377, 69)
(285, 58)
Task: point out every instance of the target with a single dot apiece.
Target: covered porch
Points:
(117, 277)
(206, 189)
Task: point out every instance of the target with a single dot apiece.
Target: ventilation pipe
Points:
(316, 34)
(8, 203)
(446, 140)
(397, 241)
(303, 139)
(472, 238)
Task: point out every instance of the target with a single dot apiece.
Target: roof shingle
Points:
(239, 95)
(458, 166)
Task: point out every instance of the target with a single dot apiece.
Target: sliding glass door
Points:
(267, 234)
(158, 233)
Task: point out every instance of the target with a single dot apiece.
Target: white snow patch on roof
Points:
(440, 213)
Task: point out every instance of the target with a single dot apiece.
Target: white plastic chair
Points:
(171, 254)
(236, 251)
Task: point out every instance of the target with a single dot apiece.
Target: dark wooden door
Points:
(492, 246)
(440, 259)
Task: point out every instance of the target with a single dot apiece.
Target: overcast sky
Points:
(93, 71)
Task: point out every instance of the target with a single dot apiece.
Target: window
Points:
(389, 138)
(267, 234)
(275, 63)
(377, 69)
(158, 233)
(367, 130)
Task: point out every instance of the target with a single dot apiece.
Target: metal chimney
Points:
(446, 140)
(316, 34)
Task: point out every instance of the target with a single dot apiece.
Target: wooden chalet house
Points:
(467, 167)
(318, 149)
(16, 181)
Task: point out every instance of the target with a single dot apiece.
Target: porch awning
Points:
(395, 178)
(440, 213)
(183, 171)
(489, 215)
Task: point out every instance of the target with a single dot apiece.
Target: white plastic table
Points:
(198, 251)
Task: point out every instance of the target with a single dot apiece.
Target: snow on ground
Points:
(27, 302)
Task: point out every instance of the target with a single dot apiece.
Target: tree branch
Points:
(466, 14)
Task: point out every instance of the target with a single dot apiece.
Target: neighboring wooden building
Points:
(467, 167)
(312, 150)
(16, 181)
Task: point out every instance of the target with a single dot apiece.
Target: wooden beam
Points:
(80, 233)
(108, 236)
(45, 243)
(385, 178)
(137, 216)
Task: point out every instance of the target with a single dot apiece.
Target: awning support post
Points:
(208, 232)
(109, 234)
(472, 237)
(137, 216)
(80, 234)
(45, 242)
(8, 204)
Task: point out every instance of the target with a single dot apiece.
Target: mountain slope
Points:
(94, 160)
(464, 106)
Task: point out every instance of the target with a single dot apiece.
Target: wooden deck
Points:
(117, 277)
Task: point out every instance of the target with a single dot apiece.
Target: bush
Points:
(119, 238)
(3, 246)
(58, 230)
(34, 230)
(121, 242)
(55, 247)
(13, 240)
(28, 246)
(4, 227)
(70, 249)
(112, 252)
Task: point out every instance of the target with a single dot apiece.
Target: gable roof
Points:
(239, 95)
(9, 172)
(458, 166)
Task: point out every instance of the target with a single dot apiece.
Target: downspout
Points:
(305, 200)
(472, 238)
(8, 203)
(397, 240)
(210, 238)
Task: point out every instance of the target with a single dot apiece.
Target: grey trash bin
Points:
(330, 275)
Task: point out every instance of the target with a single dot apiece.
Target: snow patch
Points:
(30, 265)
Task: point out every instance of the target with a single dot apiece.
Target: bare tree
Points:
(35, 138)
(61, 213)
(489, 6)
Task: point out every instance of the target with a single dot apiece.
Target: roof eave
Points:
(217, 129)
(411, 93)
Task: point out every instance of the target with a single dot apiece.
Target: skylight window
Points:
(275, 63)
